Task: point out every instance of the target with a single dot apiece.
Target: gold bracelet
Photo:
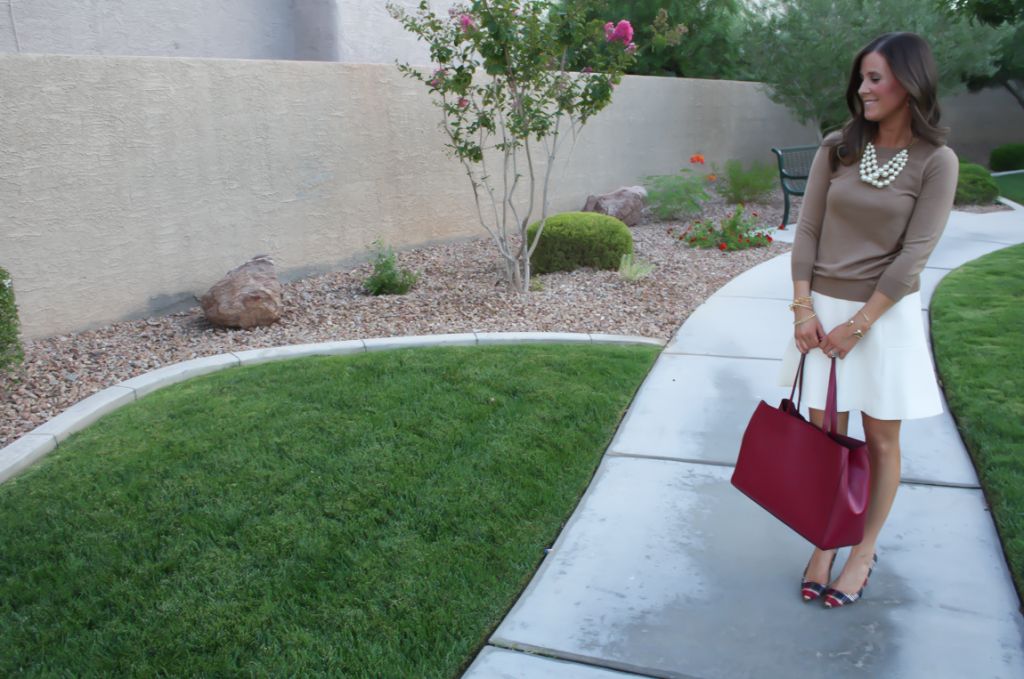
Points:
(861, 312)
(859, 334)
(794, 305)
(804, 319)
(801, 300)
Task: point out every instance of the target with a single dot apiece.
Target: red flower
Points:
(754, 213)
(692, 239)
(722, 246)
(697, 159)
(743, 204)
(769, 239)
(782, 227)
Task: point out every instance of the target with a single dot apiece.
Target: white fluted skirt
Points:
(887, 375)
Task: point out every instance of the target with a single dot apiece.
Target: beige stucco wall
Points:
(981, 121)
(130, 185)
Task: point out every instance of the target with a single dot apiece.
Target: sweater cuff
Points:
(893, 288)
(802, 271)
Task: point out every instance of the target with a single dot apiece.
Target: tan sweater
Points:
(852, 238)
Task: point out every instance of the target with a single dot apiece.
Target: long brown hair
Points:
(912, 63)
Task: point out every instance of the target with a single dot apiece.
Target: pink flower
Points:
(623, 31)
(467, 23)
(463, 103)
(631, 48)
(586, 69)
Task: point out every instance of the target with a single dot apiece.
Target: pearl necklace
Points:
(881, 177)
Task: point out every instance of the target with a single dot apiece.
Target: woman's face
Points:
(881, 93)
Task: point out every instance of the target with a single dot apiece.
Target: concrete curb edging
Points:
(1007, 201)
(45, 438)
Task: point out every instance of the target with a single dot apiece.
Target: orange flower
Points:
(722, 246)
(712, 177)
(697, 159)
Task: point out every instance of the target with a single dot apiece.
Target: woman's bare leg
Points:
(817, 569)
(883, 439)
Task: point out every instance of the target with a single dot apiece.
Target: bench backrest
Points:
(795, 166)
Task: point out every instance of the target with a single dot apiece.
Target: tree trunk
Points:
(1016, 89)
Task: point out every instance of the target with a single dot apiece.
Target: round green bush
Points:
(574, 239)
(975, 186)
(1007, 158)
(10, 347)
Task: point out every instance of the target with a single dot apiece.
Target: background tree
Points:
(1009, 67)
(1010, 54)
(991, 12)
(802, 49)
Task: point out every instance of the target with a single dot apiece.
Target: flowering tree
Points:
(523, 108)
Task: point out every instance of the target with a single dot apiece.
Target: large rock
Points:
(249, 296)
(626, 204)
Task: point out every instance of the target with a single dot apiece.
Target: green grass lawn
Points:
(1011, 186)
(361, 516)
(978, 333)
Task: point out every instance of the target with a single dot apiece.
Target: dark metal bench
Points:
(794, 168)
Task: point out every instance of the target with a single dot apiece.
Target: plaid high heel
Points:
(834, 598)
(811, 590)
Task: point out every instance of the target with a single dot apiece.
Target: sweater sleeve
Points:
(927, 222)
(812, 213)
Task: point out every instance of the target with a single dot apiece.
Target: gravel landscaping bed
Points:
(462, 289)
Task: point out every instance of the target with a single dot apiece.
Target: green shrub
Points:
(574, 239)
(386, 279)
(1007, 158)
(975, 186)
(672, 195)
(737, 185)
(10, 347)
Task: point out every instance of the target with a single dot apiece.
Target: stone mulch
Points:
(462, 289)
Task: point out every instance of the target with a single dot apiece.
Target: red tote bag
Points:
(815, 481)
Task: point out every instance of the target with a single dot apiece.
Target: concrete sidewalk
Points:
(665, 570)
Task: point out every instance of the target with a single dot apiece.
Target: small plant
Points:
(633, 270)
(737, 185)
(10, 348)
(975, 186)
(672, 195)
(735, 233)
(536, 284)
(1007, 158)
(574, 239)
(386, 279)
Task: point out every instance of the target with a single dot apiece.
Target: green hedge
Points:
(975, 186)
(574, 239)
(10, 347)
(1007, 158)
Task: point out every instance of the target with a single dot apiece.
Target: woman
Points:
(877, 200)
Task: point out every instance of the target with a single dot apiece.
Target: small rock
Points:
(247, 297)
(625, 204)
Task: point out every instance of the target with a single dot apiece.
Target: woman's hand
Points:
(808, 334)
(840, 341)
